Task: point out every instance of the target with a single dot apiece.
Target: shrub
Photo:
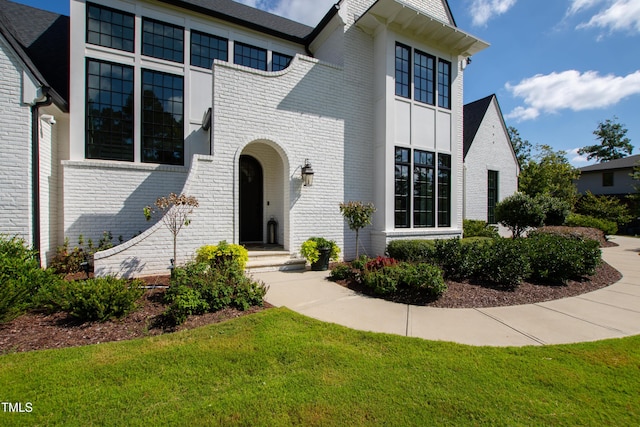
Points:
(310, 248)
(604, 207)
(93, 299)
(411, 250)
(383, 281)
(519, 212)
(577, 220)
(380, 262)
(341, 271)
(184, 301)
(580, 232)
(502, 262)
(555, 209)
(422, 277)
(478, 228)
(556, 259)
(214, 254)
(69, 260)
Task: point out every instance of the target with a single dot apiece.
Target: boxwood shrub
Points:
(390, 278)
(577, 220)
(411, 250)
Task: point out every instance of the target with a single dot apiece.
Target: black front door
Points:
(250, 200)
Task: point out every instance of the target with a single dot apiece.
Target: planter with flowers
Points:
(318, 251)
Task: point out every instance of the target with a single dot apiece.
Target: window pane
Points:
(280, 61)
(402, 70)
(402, 184)
(250, 56)
(161, 40)
(423, 189)
(444, 190)
(110, 28)
(492, 196)
(109, 109)
(162, 118)
(423, 80)
(444, 84)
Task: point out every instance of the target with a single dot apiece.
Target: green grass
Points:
(280, 368)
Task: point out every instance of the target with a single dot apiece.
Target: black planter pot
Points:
(323, 261)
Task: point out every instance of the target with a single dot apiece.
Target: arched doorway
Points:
(251, 199)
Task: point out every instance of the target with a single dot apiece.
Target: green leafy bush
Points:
(183, 302)
(556, 258)
(503, 262)
(519, 212)
(577, 220)
(69, 260)
(555, 209)
(478, 228)
(310, 249)
(411, 250)
(604, 207)
(383, 281)
(388, 279)
(341, 271)
(214, 254)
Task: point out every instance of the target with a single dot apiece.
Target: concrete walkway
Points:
(611, 312)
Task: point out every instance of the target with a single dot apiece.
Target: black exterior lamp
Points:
(307, 174)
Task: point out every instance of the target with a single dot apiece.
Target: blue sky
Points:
(558, 67)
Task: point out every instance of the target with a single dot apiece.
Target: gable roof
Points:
(625, 163)
(474, 113)
(41, 40)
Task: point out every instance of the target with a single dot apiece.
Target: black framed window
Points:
(205, 48)
(423, 189)
(109, 111)
(444, 190)
(424, 77)
(162, 40)
(492, 196)
(110, 28)
(403, 70)
(607, 179)
(162, 118)
(402, 184)
(280, 61)
(444, 83)
(250, 56)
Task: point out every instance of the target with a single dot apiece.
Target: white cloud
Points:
(483, 10)
(578, 5)
(304, 11)
(576, 159)
(621, 15)
(571, 90)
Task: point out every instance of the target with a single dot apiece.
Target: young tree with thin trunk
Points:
(358, 215)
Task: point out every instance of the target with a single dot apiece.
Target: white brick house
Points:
(372, 97)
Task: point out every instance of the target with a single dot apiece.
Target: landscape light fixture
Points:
(307, 174)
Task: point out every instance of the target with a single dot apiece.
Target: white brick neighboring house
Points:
(490, 163)
(372, 97)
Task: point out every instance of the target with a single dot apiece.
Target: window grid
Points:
(607, 179)
(403, 70)
(162, 40)
(110, 28)
(250, 56)
(205, 48)
(280, 61)
(492, 196)
(109, 109)
(424, 81)
(444, 190)
(162, 118)
(402, 183)
(444, 84)
(423, 185)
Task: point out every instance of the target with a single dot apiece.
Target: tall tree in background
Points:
(613, 143)
(522, 147)
(549, 173)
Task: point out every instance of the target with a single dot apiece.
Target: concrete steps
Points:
(275, 260)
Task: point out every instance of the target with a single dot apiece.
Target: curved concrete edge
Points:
(611, 312)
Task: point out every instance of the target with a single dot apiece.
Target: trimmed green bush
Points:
(503, 262)
(577, 220)
(555, 209)
(411, 250)
(478, 228)
(388, 279)
(341, 271)
(214, 254)
(519, 212)
(184, 301)
(604, 207)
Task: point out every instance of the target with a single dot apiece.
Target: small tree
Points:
(519, 212)
(175, 211)
(522, 147)
(604, 207)
(358, 215)
(613, 142)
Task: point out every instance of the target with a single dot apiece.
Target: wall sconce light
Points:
(307, 174)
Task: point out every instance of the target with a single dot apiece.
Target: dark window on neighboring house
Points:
(424, 81)
(250, 56)
(402, 184)
(403, 70)
(444, 190)
(162, 118)
(444, 83)
(109, 111)
(607, 179)
(205, 48)
(423, 189)
(492, 196)
(162, 40)
(110, 28)
(280, 61)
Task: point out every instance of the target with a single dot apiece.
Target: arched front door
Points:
(251, 195)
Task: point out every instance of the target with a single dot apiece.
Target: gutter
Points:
(35, 168)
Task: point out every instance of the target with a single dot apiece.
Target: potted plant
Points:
(318, 251)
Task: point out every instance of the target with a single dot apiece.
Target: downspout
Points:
(35, 168)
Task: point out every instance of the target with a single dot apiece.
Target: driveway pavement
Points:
(610, 312)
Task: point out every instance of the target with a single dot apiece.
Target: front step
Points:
(261, 261)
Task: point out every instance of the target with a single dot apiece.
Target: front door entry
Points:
(251, 195)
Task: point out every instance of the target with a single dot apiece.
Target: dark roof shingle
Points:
(624, 163)
(474, 112)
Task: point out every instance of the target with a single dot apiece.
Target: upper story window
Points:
(424, 77)
(109, 109)
(607, 179)
(403, 70)
(205, 48)
(250, 56)
(162, 40)
(280, 61)
(444, 84)
(110, 28)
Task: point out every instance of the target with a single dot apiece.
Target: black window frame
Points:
(116, 141)
(162, 136)
(444, 190)
(493, 183)
(403, 70)
(402, 184)
(444, 84)
(247, 52)
(607, 179)
(423, 189)
(151, 40)
(283, 61)
(203, 53)
(110, 30)
(424, 81)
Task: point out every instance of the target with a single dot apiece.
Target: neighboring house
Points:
(490, 164)
(228, 103)
(612, 178)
